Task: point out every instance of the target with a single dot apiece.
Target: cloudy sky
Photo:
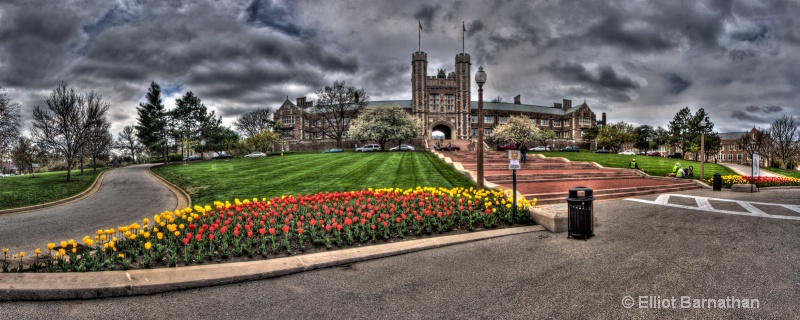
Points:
(638, 61)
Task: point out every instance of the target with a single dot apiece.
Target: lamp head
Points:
(480, 76)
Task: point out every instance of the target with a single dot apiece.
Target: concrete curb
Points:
(90, 285)
(80, 196)
(184, 199)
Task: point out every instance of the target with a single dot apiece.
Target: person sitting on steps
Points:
(633, 164)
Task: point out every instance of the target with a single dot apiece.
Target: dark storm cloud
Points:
(756, 33)
(474, 27)
(35, 44)
(738, 55)
(610, 31)
(605, 76)
(763, 109)
(745, 116)
(266, 13)
(677, 84)
(116, 116)
(425, 13)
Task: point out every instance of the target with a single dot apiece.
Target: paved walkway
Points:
(126, 195)
(747, 170)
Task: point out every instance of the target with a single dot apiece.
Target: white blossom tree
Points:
(518, 129)
(384, 124)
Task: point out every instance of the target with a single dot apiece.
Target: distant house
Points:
(732, 150)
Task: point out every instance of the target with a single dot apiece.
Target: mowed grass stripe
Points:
(303, 173)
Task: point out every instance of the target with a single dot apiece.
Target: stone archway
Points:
(448, 132)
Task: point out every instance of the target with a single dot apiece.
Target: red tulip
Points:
(285, 229)
(210, 236)
(299, 230)
(249, 234)
(271, 231)
(262, 231)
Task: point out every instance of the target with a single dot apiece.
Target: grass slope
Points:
(302, 173)
(655, 166)
(24, 190)
(788, 173)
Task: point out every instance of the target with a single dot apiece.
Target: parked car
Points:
(369, 147)
(602, 151)
(676, 155)
(257, 154)
(654, 154)
(334, 150)
(571, 149)
(222, 155)
(402, 147)
(193, 158)
(627, 152)
(509, 146)
(447, 147)
(540, 148)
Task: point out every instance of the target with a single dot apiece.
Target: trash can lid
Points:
(580, 192)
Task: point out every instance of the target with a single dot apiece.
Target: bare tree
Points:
(127, 140)
(336, 107)
(253, 122)
(10, 123)
(99, 141)
(784, 134)
(67, 122)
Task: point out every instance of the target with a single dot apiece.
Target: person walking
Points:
(523, 150)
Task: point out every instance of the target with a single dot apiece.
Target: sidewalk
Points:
(746, 170)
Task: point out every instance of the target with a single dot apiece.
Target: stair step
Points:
(555, 198)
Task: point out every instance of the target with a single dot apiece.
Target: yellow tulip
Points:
(50, 246)
(62, 252)
(22, 254)
(74, 250)
(147, 246)
(38, 252)
(63, 244)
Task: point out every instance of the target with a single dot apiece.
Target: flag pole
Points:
(419, 36)
(463, 32)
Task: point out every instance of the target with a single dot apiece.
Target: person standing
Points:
(523, 150)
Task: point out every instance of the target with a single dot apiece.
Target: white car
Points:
(257, 154)
(402, 147)
(627, 152)
(540, 148)
(369, 147)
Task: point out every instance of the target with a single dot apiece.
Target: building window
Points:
(473, 119)
(730, 157)
(473, 132)
(449, 102)
(433, 102)
(533, 120)
(502, 120)
(585, 121)
(544, 122)
(487, 131)
(567, 123)
(488, 119)
(287, 120)
(557, 123)
(739, 157)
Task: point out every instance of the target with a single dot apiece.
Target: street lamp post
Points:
(480, 79)
(703, 150)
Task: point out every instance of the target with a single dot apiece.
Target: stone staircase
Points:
(549, 179)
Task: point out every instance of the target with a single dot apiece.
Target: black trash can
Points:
(580, 213)
(717, 182)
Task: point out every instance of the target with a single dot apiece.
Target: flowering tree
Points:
(384, 124)
(517, 130)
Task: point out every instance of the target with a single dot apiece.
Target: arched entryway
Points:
(443, 128)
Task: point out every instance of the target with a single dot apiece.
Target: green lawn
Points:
(788, 173)
(656, 166)
(302, 173)
(22, 191)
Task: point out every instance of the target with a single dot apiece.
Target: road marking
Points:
(703, 204)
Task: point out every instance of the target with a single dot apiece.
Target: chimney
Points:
(356, 97)
(567, 104)
(518, 99)
(604, 119)
(301, 101)
(556, 105)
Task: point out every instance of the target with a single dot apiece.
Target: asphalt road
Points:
(640, 250)
(127, 195)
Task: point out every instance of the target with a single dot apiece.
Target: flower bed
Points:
(761, 182)
(279, 226)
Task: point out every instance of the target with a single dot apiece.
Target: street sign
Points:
(756, 160)
(514, 165)
(513, 155)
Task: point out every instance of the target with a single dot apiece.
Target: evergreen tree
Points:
(152, 123)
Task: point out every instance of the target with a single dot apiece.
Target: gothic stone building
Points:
(442, 103)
